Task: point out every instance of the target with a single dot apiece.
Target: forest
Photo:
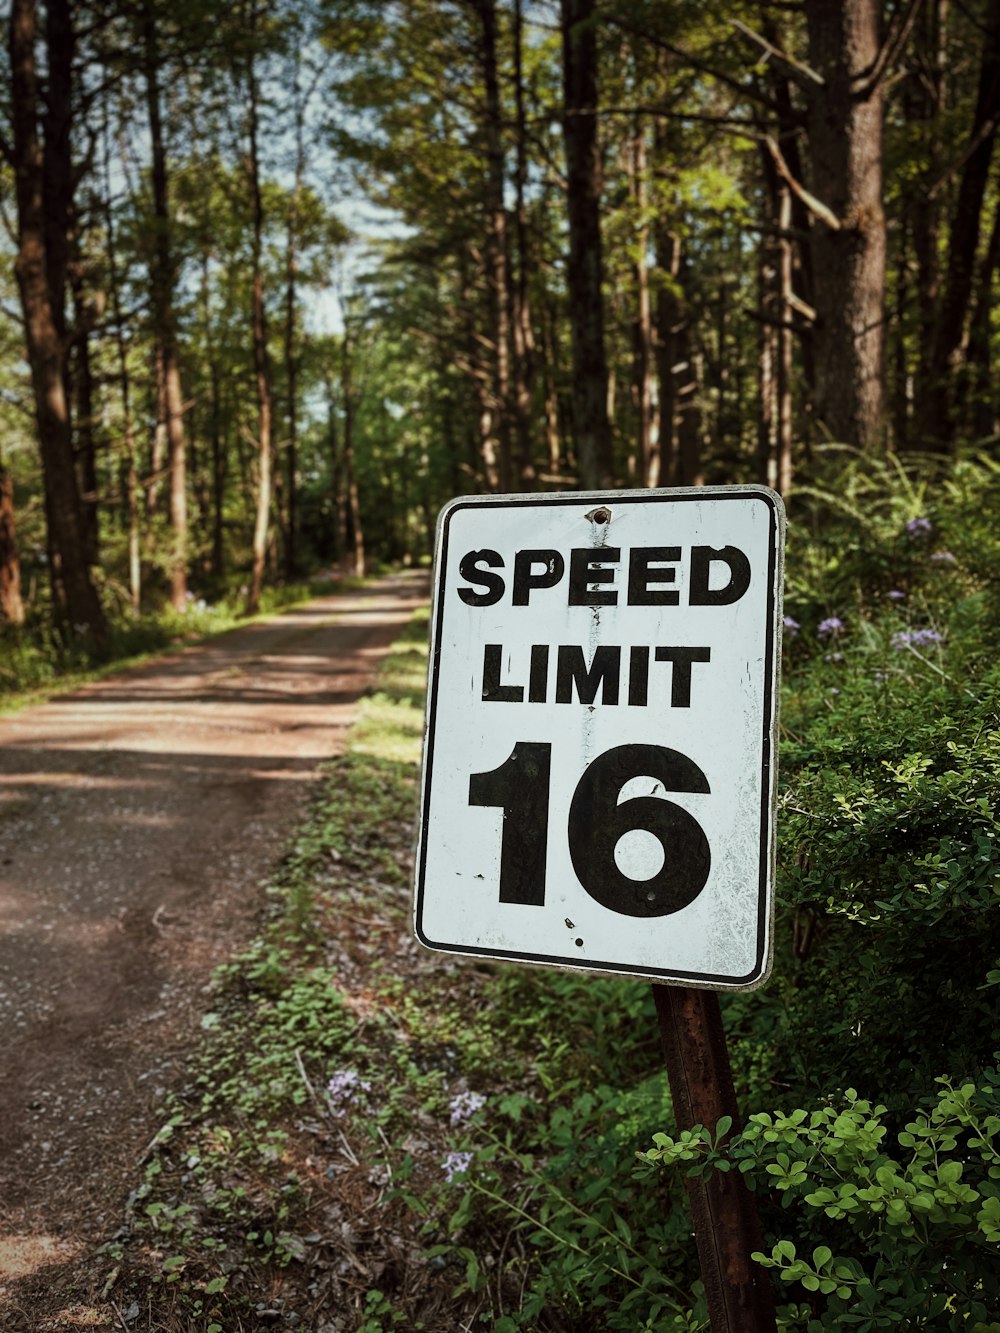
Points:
(282, 279)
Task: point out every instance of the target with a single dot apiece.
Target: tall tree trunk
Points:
(165, 325)
(261, 361)
(219, 469)
(666, 319)
(496, 248)
(11, 605)
(291, 375)
(923, 100)
(40, 259)
(337, 498)
(784, 342)
(767, 356)
(525, 368)
(356, 534)
(592, 426)
(86, 445)
(690, 424)
(981, 395)
(845, 141)
(647, 461)
(936, 412)
(130, 469)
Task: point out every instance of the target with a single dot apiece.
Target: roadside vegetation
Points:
(376, 1138)
(35, 662)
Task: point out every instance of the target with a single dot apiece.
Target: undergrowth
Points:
(36, 663)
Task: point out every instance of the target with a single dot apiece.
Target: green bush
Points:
(887, 1235)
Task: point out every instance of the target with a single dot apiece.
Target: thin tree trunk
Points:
(937, 410)
(766, 359)
(981, 396)
(337, 499)
(125, 390)
(647, 460)
(592, 426)
(11, 605)
(292, 370)
(667, 248)
(356, 532)
(496, 248)
(40, 258)
(784, 341)
(690, 426)
(845, 140)
(86, 446)
(524, 359)
(165, 326)
(262, 368)
(923, 104)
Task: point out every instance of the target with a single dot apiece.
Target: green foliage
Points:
(881, 1200)
(898, 1237)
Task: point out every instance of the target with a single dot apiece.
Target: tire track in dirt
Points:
(139, 817)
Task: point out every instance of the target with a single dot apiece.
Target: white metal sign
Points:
(599, 761)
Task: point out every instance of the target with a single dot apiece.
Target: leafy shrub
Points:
(896, 1239)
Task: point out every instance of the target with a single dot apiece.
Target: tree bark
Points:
(165, 324)
(40, 260)
(130, 470)
(937, 410)
(647, 460)
(85, 450)
(356, 536)
(592, 426)
(784, 343)
(981, 405)
(849, 249)
(291, 355)
(525, 368)
(666, 319)
(262, 367)
(496, 243)
(11, 605)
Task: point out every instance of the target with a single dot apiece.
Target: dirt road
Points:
(139, 817)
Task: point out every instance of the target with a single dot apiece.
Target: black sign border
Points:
(761, 970)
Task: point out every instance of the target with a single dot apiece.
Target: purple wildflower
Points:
(829, 626)
(919, 528)
(464, 1106)
(344, 1088)
(915, 638)
(792, 626)
(456, 1164)
(896, 595)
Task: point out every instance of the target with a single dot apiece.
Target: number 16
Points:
(520, 787)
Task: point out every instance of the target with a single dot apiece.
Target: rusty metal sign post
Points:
(726, 1224)
(599, 773)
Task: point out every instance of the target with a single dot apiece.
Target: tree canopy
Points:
(283, 278)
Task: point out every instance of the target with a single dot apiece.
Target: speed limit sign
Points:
(599, 759)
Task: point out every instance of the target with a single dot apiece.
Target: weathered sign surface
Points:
(599, 763)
